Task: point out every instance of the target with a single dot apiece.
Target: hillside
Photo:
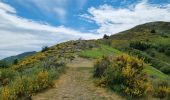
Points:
(11, 59)
(144, 31)
(61, 71)
(149, 41)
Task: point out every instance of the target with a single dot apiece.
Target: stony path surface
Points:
(77, 84)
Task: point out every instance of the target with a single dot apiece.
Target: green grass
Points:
(156, 73)
(105, 50)
(95, 53)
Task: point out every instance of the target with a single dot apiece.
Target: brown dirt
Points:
(77, 84)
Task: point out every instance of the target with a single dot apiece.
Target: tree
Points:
(45, 48)
(15, 62)
(105, 36)
(153, 31)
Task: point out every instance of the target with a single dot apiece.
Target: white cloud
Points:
(113, 20)
(7, 8)
(18, 34)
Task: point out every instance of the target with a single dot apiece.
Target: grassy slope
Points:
(105, 50)
(153, 72)
(36, 73)
(143, 33)
(95, 53)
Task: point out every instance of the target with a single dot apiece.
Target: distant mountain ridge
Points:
(11, 59)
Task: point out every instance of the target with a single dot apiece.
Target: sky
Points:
(28, 25)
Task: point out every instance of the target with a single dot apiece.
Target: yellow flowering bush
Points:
(7, 93)
(42, 79)
(31, 75)
(124, 74)
(25, 86)
(29, 61)
(162, 90)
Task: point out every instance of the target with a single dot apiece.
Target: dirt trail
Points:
(77, 84)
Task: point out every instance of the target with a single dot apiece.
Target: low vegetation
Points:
(29, 76)
(105, 50)
(99, 52)
(37, 72)
(3, 64)
(19, 83)
(162, 90)
(125, 74)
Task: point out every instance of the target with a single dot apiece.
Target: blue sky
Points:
(27, 25)
(69, 10)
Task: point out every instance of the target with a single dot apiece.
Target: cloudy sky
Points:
(27, 25)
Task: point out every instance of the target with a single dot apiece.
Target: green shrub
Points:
(124, 74)
(153, 31)
(152, 52)
(15, 62)
(160, 65)
(140, 45)
(140, 55)
(161, 48)
(6, 75)
(164, 35)
(167, 51)
(165, 69)
(45, 48)
(100, 66)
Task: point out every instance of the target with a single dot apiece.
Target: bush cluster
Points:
(164, 49)
(100, 66)
(162, 66)
(145, 46)
(6, 75)
(123, 74)
(26, 86)
(140, 45)
(29, 61)
(30, 80)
